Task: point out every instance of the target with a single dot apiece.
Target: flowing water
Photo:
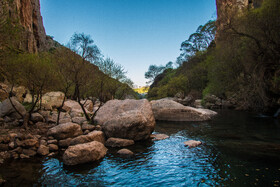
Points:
(239, 149)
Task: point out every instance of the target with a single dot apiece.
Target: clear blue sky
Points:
(134, 33)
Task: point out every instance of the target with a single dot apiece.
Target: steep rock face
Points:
(27, 12)
(228, 9)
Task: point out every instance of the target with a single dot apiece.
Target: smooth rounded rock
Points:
(125, 153)
(53, 147)
(43, 150)
(156, 137)
(192, 143)
(66, 130)
(83, 153)
(127, 119)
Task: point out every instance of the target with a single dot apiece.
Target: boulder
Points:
(128, 119)
(98, 128)
(29, 143)
(66, 130)
(125, 153)
(118, 142)
(29, 152)
(36, 117)
(43, 150)
(64, 143)
(28, 98)
(83, 153)
(187, 101)
(6, 109)
(156, 137)
(79, 120)
(168, 110)
(43, 142)
(87, 126)
(52, 141)
(20, 93)
(198, 103)
(53, 147)
(52, 100)
(23, 156)
(93, 136)
(3, 91)
(74, 107)
(192, 143)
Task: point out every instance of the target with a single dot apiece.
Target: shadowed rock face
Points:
(29, 16)
(228, 9)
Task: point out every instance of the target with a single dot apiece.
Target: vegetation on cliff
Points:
(77, 70)
(242, 63)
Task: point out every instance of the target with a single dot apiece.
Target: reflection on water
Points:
(238, 149)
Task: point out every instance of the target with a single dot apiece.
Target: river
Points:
(239, 149)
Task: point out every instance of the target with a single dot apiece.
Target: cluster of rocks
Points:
(121, 123)
(22, 145)
(214, 102)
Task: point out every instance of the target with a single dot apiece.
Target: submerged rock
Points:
(156, 137)
(168, 110)
(125, 153)
(83, 153)
(118, 142)
(66, 130)
(192, 143)
(128, 119)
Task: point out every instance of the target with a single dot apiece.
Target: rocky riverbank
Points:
(120, 124)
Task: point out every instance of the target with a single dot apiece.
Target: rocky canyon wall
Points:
(27, 14)
(228, 9)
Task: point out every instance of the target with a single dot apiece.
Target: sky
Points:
(134, 33)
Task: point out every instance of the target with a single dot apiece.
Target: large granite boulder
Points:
(168, 110)
(7, 109)
(66, 130)
(93, 136)
(127, 119)
(74, 107)
(83, 153)
(52, 100)
(20, 93)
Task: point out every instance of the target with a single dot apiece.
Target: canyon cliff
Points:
(228, 9)
(27, 14)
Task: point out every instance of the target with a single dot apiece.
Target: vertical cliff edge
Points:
(28, 15)
(228, 9)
